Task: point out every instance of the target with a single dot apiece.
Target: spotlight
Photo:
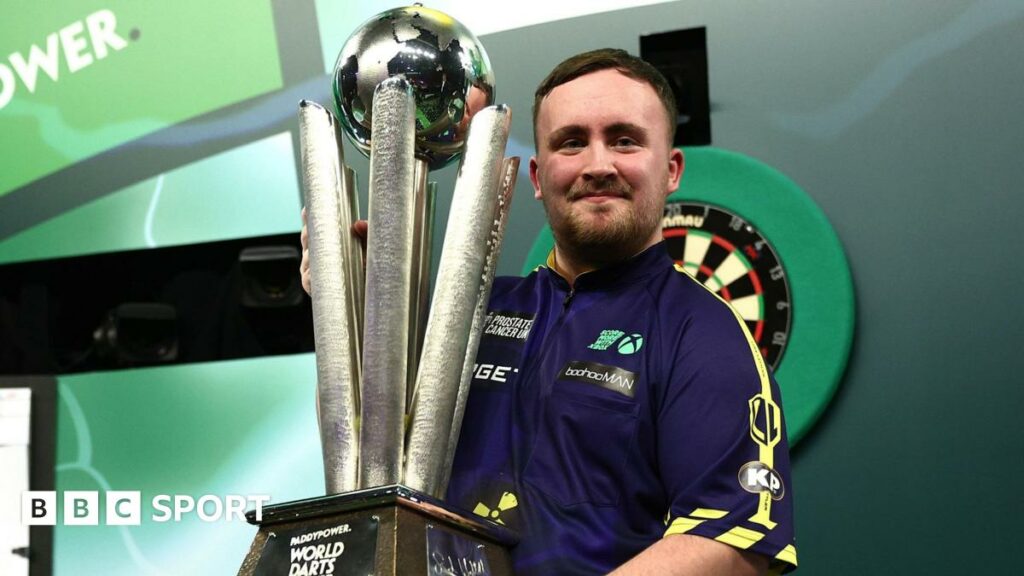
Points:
(139, 333)
(270, 277)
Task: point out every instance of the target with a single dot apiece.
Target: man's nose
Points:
(600, 163)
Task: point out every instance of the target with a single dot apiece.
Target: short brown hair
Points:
(604, 59)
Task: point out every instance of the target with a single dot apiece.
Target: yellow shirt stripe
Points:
(709, 513)
(682, 525)
(766, 449)
(787, 555)
(740, 537)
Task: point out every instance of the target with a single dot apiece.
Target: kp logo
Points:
(756, 477)
(765, 421)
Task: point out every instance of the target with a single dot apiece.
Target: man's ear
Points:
(534, 178)
(676, 166)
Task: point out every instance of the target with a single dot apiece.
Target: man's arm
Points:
(722, 395)
(684, 555)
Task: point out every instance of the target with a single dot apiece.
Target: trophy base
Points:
(384, 531)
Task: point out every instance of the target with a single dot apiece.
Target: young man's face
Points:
(604, 165)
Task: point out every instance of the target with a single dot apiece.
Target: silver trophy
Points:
(413, 89)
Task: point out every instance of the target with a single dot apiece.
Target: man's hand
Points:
(359, 229)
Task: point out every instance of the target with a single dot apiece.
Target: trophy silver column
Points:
(330, 198)
(413, 89)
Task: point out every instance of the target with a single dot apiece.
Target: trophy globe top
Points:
(442, 60)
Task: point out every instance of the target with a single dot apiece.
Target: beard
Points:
(604, 233)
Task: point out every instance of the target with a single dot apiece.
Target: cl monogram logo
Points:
(765, 424)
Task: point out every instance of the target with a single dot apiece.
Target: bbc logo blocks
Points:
(125, 508)
(81, 508)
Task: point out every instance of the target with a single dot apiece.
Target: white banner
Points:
(15, 416)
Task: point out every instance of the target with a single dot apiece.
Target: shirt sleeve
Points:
(723, 454)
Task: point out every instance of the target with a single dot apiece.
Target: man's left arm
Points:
(723, 458)
(684, 555)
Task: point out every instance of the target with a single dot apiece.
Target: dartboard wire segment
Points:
(731, 258)
(749, 306)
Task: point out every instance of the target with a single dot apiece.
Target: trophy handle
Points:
(509, 170)
(459, 279)
(334, 322)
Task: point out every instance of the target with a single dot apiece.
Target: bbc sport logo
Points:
(124, 508)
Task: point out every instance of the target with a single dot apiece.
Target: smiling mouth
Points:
(603, 194)
(599, 198)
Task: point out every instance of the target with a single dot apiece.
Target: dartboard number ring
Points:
(729, 256)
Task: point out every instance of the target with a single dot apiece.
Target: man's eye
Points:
(573, 143)
(626, 142)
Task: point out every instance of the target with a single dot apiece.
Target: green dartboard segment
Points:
(821, 290)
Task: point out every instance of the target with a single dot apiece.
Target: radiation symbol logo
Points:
(508, 501)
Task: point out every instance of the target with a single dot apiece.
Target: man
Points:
(621, 417)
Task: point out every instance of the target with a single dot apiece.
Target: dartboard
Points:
(729, 256)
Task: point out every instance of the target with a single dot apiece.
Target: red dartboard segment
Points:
(723, 243)
(756, 282)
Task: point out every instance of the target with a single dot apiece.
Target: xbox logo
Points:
(630, 344)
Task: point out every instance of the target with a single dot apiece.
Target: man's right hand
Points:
(304, 265)
(359, 229)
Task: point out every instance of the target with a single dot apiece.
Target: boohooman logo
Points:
(602, 377)
(609, 377)
(81, 44)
